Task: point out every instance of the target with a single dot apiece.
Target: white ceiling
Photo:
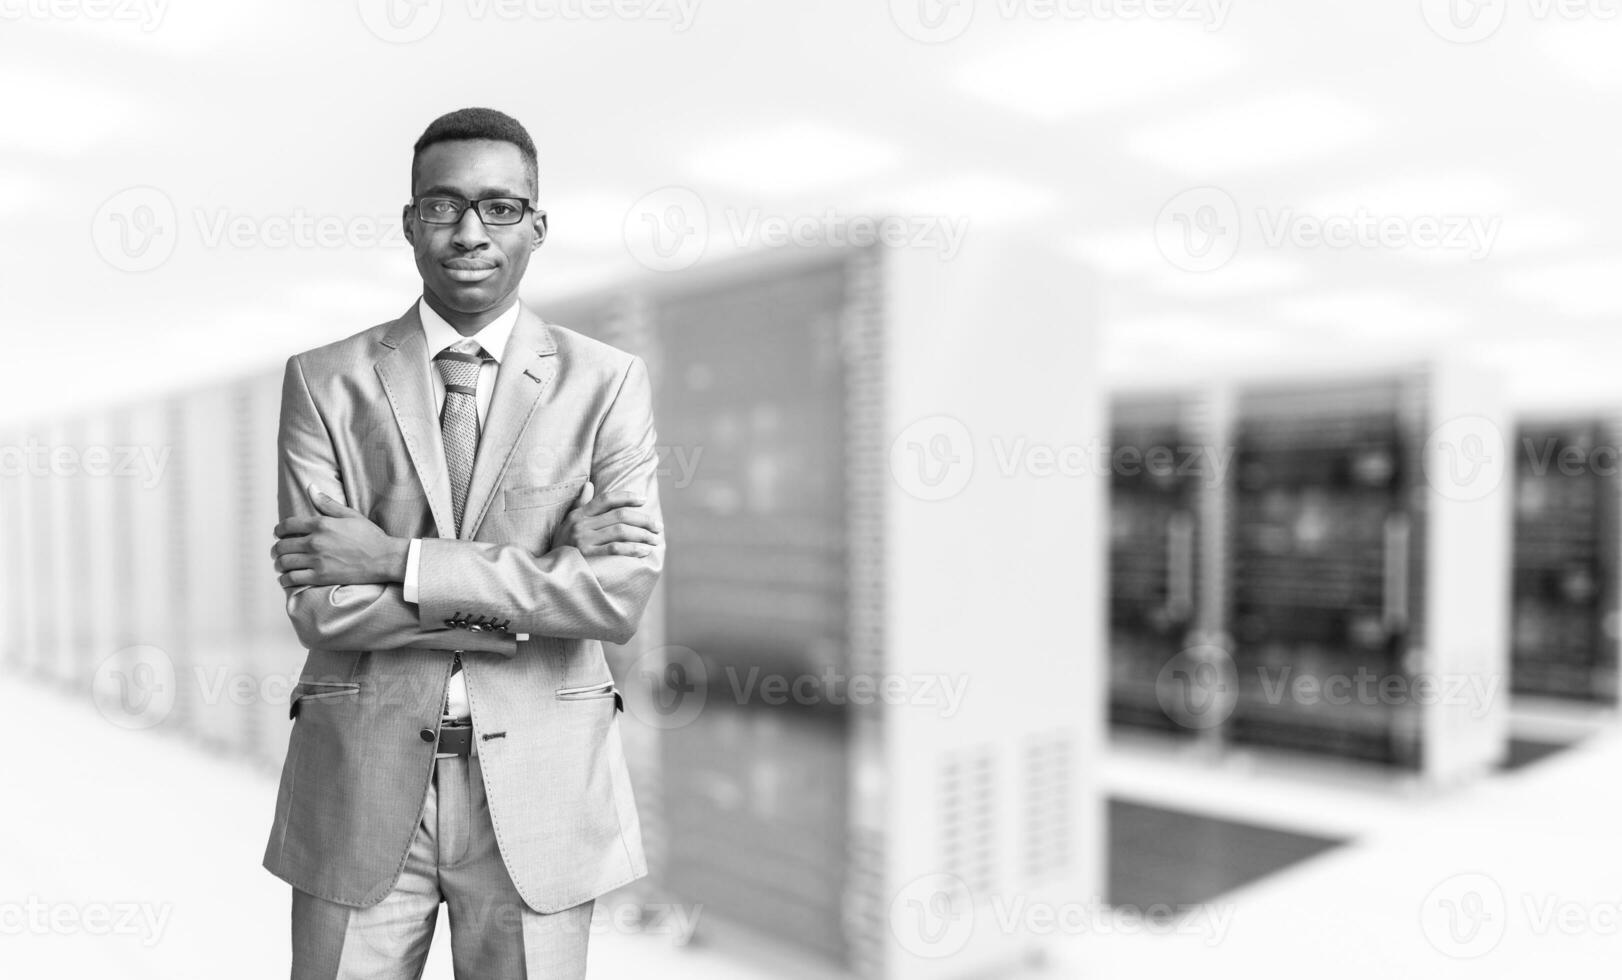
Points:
(1103, 126)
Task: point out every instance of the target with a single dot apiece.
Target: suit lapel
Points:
(527, 368)
(401, 368)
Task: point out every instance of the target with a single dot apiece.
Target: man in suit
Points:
(456, 735)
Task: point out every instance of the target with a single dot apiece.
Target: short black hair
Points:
(479, 124)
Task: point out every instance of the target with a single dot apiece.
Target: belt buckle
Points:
(455, 740)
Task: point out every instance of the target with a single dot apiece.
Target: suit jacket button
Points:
(427, 734)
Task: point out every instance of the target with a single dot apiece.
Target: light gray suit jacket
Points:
(358, 419)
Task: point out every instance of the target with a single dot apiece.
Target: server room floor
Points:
(1529, 857)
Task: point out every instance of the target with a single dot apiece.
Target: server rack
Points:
(1159, 507)
(271, 655)
(1568, 531)
(1322, 565)
(98, 525)
(640, 667)
(52, 590)
(209, 651)
(751, 799)
(11, 550)
(158, 575)
(758, 542)
(1369, 551)
(20, 530)
(796, 548)
(74, 551)
(20, 506)
(1356, 586)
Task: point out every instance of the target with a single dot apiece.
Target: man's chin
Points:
(468, 297)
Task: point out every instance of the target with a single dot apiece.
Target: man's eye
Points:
(441, 207)
(501, 210)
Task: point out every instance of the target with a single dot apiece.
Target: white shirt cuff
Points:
(410, 584)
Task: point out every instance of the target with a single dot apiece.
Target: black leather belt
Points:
(455, 740)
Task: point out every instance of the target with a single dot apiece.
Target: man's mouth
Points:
(469, 270)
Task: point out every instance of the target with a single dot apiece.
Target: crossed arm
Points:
(343, 574)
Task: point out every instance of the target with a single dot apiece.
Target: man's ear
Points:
(540, 229)
(407, 225)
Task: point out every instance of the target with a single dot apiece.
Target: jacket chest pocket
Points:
(533, 513)
(547, 495)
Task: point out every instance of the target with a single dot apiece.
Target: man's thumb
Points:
(324, 501)
(587, 491)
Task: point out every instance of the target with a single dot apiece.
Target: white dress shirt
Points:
(493, 338)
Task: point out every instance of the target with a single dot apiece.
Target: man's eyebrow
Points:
(445, 190)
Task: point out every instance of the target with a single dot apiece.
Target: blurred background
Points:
(1141, 476)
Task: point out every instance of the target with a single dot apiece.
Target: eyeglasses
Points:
(492, 210)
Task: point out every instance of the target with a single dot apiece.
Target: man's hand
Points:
(339, 547)
(613, 524)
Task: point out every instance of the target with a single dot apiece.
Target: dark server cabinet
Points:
(752, 393)
(1565, 631)
(1369, 576)
(1323, 582)
(791, 389)
(1155, 509)
(750, 817)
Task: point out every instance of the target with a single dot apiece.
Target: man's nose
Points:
(470, 231)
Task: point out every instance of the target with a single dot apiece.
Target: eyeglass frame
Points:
(415, 205)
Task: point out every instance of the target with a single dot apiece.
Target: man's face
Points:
(469, 266)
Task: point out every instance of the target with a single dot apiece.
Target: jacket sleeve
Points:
(346, 617)
(561, 593)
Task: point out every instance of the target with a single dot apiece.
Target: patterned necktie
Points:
(459, 428)
(459, 418)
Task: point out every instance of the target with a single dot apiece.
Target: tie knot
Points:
(459, 363)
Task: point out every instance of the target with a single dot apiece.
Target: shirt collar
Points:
(492, 336)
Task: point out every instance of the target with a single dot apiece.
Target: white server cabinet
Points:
(153, 569)
(209, 547)
(271, 653)
(54, 550)
(23, 593)
(14, 551)
(998, 346)
(73, 552)
(105, 468)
